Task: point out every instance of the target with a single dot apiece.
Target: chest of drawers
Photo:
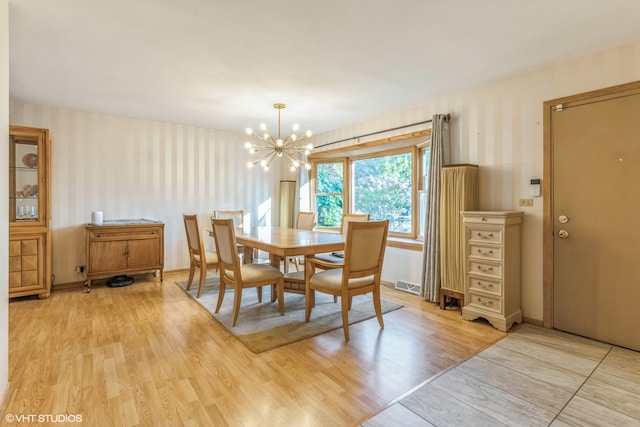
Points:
(492, 267)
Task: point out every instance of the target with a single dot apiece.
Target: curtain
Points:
(431, 255)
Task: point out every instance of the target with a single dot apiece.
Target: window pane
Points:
(329, 197)
(329, 211)
(382, 188)
(330, 178)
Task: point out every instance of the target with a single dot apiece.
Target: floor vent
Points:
(412, 288)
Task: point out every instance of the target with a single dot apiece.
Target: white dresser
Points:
(492, 255)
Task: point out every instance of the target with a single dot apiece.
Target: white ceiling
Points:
(223, 63)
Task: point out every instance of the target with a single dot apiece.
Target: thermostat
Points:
(535, 188)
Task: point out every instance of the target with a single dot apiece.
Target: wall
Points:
(135, 168)
(4, 205)
(131, 168)
(499, 127)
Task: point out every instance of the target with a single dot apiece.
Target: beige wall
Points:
(4, 206)
(134, 168)
(499, 127)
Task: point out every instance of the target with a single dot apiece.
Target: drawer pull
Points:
(481, 252)
(487, 303)
(486, 270)
(485, 236)
(483, 286)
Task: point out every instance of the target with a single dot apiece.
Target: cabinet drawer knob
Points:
(487, 286)
(488, 269)
(483, 302)
(485, 235)
(481, 252)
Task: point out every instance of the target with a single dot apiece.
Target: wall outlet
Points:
(526, 202)
(79, 268)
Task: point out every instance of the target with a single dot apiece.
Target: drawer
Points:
(486, 303)
(124, 235)
(485, 235)
(487, 286)
(479, 268)
(492, 253)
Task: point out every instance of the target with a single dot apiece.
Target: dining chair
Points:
(337, 257)
(240, 276)
(236, 215)
(359, 274)
(304, 221)
(198, 257)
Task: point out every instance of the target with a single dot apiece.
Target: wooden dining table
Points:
(282, 242)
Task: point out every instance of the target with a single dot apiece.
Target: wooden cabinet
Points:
(29, 207)
(124, 246)
(492, 254)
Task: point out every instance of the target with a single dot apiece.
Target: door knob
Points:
(563, 234)
(563, 219)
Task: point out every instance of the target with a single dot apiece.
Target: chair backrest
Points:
(226, 246)
(364, 248)
(306, 220)
(193, 234)
(351, 217)
(237, 216)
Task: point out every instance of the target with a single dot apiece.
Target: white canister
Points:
(96, 218)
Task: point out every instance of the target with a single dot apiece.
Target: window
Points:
(382, 187)
(386, 183)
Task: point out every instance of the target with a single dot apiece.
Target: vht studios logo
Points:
(43, 418)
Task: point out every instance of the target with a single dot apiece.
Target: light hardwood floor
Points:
(147, 354)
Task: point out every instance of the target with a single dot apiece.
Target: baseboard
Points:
(4, 399)
(531, 321)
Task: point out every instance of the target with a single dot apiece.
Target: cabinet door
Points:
(144, 252)
(108, 255)
(26, 264)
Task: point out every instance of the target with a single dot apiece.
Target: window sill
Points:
(404, 243)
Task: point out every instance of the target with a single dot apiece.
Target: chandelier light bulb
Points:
(252, 150)
(279, 143)
(295, 127)
(292, 168)
(294, 137)
(263, 163)
(249, 131)
(248, 145)
(250, 165)
(263, 126)
(308, 133)
(309, 146)
(296, 163)
(308, 166)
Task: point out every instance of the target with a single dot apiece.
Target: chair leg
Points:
(259, 291)
(192, 270)
(377, 306)
(280, 287)
(203, 278)
(223, 287)
(309, 297)
(237, 299)
(274, 296)
(345, 318)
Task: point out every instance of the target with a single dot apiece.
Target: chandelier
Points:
(279, 147)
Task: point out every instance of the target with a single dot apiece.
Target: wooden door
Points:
(595, 155)
(108, 255)
(144, 252)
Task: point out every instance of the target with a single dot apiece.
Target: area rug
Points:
(260, 326)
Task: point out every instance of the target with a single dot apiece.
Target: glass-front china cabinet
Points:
(29, 212)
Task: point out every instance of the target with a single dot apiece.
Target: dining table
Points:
(281, 243)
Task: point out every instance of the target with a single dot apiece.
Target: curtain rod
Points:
(378, 132)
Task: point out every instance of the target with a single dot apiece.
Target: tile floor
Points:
(532, 377)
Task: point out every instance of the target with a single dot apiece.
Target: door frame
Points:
(547, 218)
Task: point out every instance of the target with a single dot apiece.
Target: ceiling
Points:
(223, 64)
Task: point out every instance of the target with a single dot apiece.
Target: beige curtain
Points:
(287, 203)
(431, 255)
